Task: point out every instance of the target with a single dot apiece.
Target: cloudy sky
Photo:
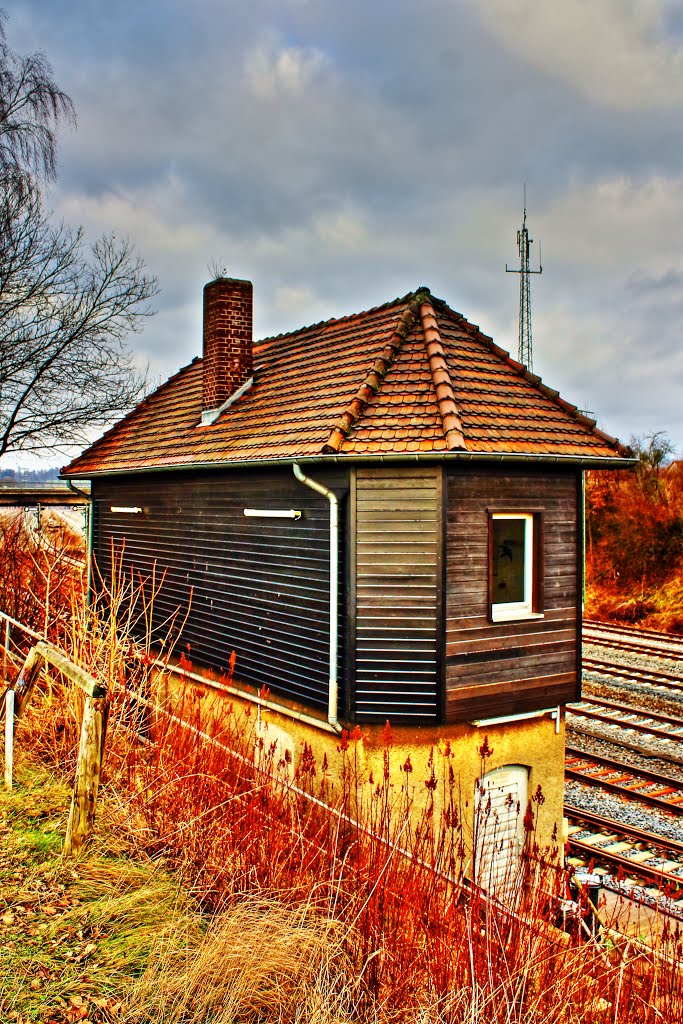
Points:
(339, 154)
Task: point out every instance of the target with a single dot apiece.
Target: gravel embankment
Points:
(596, 743)
(609, 805)
(652, 753)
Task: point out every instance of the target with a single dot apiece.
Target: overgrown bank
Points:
(115, 936)
(222, 886)
(634, 541)
(289, 891)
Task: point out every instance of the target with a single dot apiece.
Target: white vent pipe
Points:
(333, 693)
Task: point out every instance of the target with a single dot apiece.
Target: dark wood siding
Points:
(397, 539)
(510, 667)
(257, 586)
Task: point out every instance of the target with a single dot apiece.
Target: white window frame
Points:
(506, 610)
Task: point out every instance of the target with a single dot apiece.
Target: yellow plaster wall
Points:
(533, 743)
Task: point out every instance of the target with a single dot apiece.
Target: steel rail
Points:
(630, 794)
(633, 632)
(640, 835)
(645, 650)
(652, 730)
(628, 744)
(621, 766)
(652, 800)
(631, 710)
(652, 676)
(633, 870)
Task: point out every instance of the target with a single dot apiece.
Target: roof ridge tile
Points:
(375, 375)
(443, 386)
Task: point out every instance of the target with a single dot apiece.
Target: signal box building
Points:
(381, 515)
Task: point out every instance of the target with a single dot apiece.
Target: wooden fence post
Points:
(5, 651)
(84, 800)
(28, 676)
(13, 704)
(9, 738)
(91, 746)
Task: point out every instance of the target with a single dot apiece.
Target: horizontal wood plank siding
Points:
(398, 539)
(257, 586)
(504, 668)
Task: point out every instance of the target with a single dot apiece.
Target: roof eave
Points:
(584, 461)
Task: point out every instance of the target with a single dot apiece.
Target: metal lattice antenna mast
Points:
(525, 351)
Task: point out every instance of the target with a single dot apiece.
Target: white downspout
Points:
(333, 692)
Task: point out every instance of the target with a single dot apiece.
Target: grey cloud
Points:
(341, 154)
(669, 281)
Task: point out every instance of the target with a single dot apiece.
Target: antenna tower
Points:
(525, 351)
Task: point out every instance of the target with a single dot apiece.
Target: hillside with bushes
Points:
(634, 539)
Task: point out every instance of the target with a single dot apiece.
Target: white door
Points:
(500, 804)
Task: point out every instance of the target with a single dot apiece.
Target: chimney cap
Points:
(222, 279)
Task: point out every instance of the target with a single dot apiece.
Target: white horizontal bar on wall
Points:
(126, 509)
(555, 714)
(273, 513)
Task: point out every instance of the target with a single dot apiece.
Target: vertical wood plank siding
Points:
(510, 667)
(257, 586)
(398, 543)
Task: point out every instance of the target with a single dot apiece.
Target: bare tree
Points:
(66, 308)
(31, 108)
(65, 311)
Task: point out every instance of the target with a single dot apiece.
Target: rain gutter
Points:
(397, 458)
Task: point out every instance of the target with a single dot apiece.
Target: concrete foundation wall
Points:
(467, 750)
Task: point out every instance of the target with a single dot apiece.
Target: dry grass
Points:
(313, 921)
(258, 960)
(115, 936)
(282, 908)
(657, 607)
(75, 933)
(301, 897)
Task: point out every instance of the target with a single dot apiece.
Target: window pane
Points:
(508, 560)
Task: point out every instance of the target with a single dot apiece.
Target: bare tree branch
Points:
(66, 308)
(65, 311)
(31, 109)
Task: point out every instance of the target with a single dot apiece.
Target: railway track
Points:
(640, 641)
(653, 677)
(626, 717)
(635, 854)
(624, 847)
(651, 788)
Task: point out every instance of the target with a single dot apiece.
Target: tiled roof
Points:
(408, 376)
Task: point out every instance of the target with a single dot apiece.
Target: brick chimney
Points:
(228, 353)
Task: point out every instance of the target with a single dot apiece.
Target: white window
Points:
(514, 565)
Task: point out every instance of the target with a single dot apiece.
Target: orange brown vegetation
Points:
(284, 855)
(42, 564)
(289, 859)
(634, 542)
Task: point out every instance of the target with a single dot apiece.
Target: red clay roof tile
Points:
(411, 375)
